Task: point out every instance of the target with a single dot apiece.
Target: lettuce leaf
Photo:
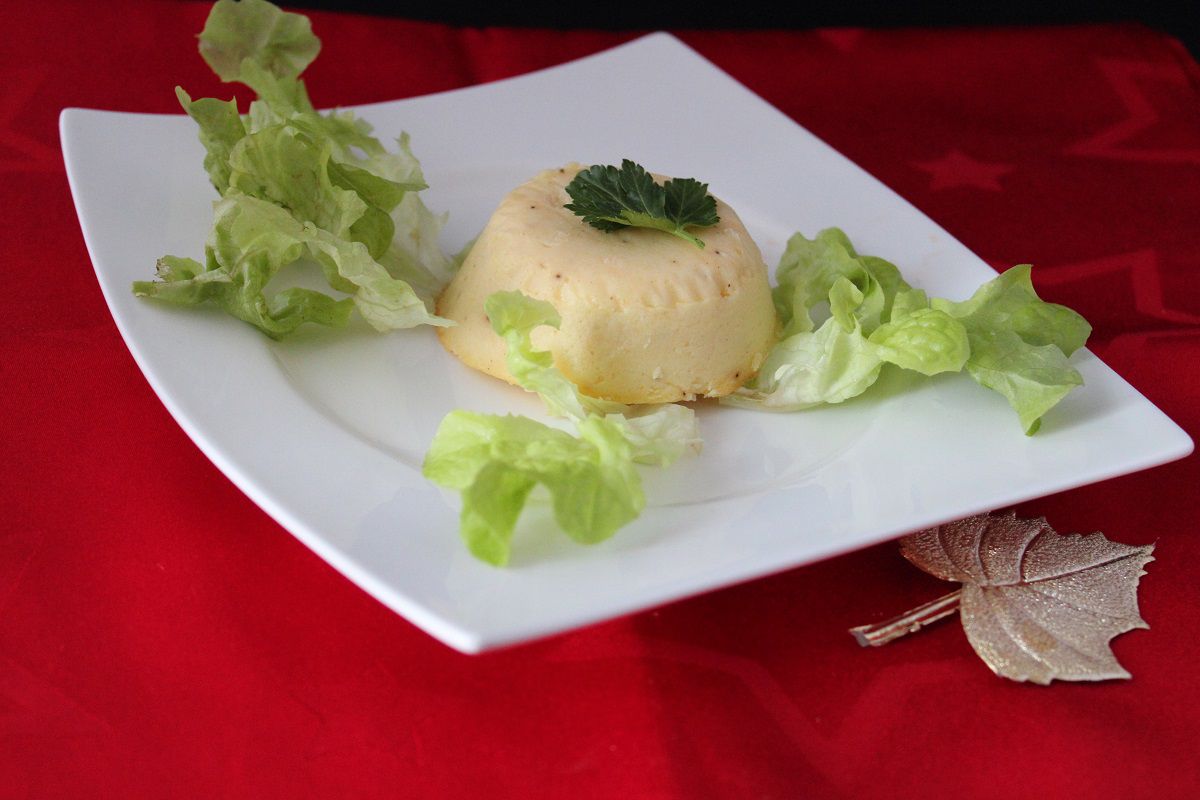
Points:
(283, 167)
(1005, 336)
(185, 281)
(808, 369)
(251, 241)
(923, 340)
(810, 268)
(839, 360)
(221, 128)
(1020, 343)
(1009, 302)
(300, 185)
(659, 434)
(255, 31)
(496, 461)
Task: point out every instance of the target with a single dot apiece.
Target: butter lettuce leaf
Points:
(1005, 336)
(1009, 302)
(257, 32)
(1020, 343)
(300, 185)
(923, 340)
(812, 368)
(1033, 379)
(810, 268)
(496, 461)
(251, 241)
(221, 128)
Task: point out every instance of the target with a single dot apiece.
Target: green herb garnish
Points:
(609, 198)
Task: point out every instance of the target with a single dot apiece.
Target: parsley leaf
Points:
(609, 198)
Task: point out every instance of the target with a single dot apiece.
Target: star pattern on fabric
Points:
(1137, 346)
(957, 169)
(20, 152)
(1145, 280)
(1127, 79)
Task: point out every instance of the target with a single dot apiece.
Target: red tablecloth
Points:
(160, 636)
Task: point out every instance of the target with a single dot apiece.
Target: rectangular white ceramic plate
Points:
(326, 432)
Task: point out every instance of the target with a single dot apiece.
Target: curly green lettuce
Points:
(1005, 336)
(298, 185)
(1020, 344)
(495, 461)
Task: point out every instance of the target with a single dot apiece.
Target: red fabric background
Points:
(160, 636)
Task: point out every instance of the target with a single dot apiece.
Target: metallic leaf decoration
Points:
(1037, 605)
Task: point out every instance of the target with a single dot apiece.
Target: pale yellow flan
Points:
(646, 317)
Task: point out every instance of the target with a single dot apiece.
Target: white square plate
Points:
(326, 431)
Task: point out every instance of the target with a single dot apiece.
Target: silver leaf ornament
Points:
(1037, 605)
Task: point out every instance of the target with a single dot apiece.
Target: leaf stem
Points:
(687, 237)
(909, 622)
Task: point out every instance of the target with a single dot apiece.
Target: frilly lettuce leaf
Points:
(1020, 343)
(221, 128)
(658, 434)
(297, 184)
(185, 281)
(286, 168)
(809, 270)
(812, 368)
(258, 32)
(495, 461)
(251, 241)
(255, 43)
(1006, 337)
(924, 340)
(1009, 302)
(414, 255)
(839, 360)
